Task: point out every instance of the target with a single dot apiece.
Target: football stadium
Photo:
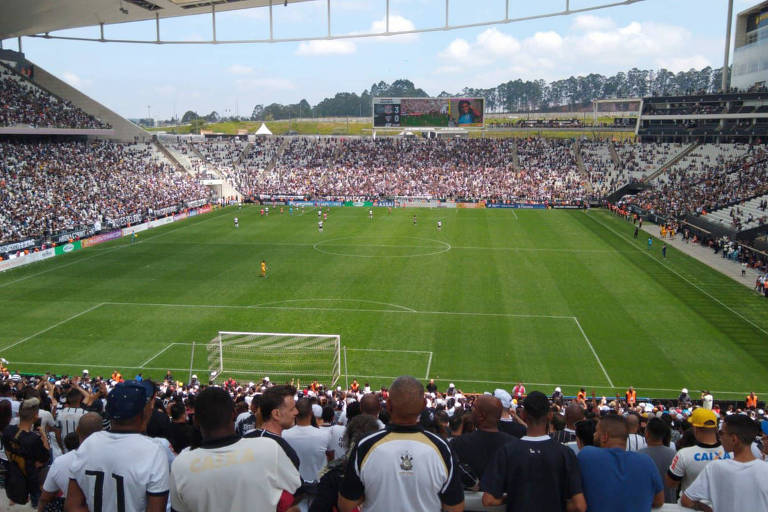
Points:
(539, 295)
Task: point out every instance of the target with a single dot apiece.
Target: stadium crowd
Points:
(50, 187)
(23, 103)
(105, 443)
(387, 167)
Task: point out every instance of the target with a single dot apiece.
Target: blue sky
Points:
(676, 34)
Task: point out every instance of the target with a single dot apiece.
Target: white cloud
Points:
(396, 24)
(74, 80)
(591, 45)
(239, 69)
(326, 47)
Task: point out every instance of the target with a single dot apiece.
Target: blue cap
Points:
(127, 399)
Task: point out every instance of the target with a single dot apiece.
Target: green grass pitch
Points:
(546, 297)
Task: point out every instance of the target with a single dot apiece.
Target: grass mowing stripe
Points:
(678, 274)
(52, 327)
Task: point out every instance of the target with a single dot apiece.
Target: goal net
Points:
(254, 355)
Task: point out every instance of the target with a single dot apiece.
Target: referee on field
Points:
(402, 468)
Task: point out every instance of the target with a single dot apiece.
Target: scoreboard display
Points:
(428, 112)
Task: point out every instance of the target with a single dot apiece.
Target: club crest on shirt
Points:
(406, 462)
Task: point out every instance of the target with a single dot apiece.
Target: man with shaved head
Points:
(402, 468)
(614, 478)
(573, 414)
(477, 448)
(370, 405)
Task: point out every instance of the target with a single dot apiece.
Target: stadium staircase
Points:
(160, 148)
(614, 154)
(515, 157)
(278, 154)
(182, 159)
(124, 130)
(576, 148)
(244, 153)
(672, 161)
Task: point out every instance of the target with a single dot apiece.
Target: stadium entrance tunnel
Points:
(388, 247)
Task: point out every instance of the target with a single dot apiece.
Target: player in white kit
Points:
(439, 225)
(237, 225)
(320, 226)
(370, 214)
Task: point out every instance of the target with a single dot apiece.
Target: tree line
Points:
(518, 95)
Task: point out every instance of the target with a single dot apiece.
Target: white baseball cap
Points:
(451, 385)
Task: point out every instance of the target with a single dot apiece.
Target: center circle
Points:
(388, 247)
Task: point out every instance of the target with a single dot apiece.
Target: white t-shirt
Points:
(636, 442)
(732, 486)
(107, 461)
(706, 401)
(67, 419)
(336, 440)
(248, 474)
(57, 479)
(310, 444)
(691, 461)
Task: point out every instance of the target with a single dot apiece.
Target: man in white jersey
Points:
(690, 462)
(237, 222)
(736, 484)
(228, 472)
(57, 480)
(309, 442)
(122, 470)
(404, 467)
(69, 415)
(370, 214)
(320, 226)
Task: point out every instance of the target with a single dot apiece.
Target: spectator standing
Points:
(309, 443)
(182, 434)
(57, 481)
(537, 473)
(201, 481)
(518, 392)
(635, 441)
(736, 484)
(615, 479)
(657, 435)
(27, 449)
(690, 461)
(278, 410)
(251, 419)
(121, 470)
(573, 414)
(336, 448)
(371, 405)
(507, 423)
(402, 468)
(476, 449)
(69, 415)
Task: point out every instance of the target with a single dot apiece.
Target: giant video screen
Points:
(428, 112)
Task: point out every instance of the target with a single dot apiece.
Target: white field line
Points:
(145, 363)
(98, 253)
(388, 350)
(405, 308)
(678, 274)
(354, 310)
(429, 366)
(514, 214)
(578, 324)
(22, 340)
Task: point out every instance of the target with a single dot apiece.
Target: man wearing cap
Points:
(228, 472)
(736, 484)
(121, 470)
(614, 478)
(536, 473)
(507, 423)
(690, 462)
(402, 468)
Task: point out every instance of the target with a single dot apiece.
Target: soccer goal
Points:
(254, 355)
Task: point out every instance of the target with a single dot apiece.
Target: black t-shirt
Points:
(477, 448)
(25, 449)
(183, 435)
(538, 475)
(512, 428)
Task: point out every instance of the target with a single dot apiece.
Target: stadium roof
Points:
(27, 17)
(39, 18)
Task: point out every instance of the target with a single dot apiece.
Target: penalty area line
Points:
(22, 340)
(145, 363)
(578, 324)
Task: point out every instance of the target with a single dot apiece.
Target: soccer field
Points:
(550, 298)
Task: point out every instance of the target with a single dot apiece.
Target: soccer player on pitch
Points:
(237, 225)
(263, 268)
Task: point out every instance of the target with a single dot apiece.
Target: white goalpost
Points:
(251, 355)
